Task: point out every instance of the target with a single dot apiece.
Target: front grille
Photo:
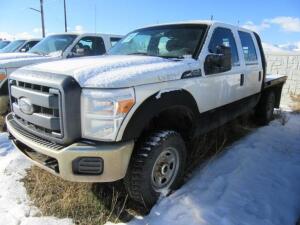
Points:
(32, 137)
(46, 116)
(46, 105)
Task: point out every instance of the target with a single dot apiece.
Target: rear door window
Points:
(248, 46)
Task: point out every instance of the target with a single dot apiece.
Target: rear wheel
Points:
(265, 108)
(157, 166)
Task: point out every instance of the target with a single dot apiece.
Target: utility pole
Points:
(42, 17)
(41, 11)
(65, 12)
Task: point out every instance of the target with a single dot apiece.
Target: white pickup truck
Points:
(52, 48)
(20, 46)
(133, 113)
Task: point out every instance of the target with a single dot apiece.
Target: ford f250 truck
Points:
(52, 48)
(133, 113)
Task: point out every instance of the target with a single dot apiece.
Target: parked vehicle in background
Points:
(51, 48)
(134, 113)
(19, 46)
(3, 44)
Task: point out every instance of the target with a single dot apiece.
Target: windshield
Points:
(176, 41)
(13, 46)
(3, 44)
(53, 43)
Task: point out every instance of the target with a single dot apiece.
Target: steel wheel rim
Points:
(165, 169)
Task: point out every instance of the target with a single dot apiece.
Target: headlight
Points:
(102, 112)
(2, 74)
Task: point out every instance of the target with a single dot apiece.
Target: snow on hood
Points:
(118, 71)
(16, 60)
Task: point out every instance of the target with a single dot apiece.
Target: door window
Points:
(90, 46)
(114, 41)
(249, 51)
(224, 36)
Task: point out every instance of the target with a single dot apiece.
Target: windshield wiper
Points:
(140, 53)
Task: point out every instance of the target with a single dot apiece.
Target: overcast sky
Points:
(277, 21)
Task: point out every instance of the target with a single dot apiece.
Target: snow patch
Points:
(159, 94)
(255, 181)
(15, 207)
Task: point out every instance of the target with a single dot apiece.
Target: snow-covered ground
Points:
(15, 207)
(255, 181)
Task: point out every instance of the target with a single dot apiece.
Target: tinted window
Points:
(114, 41)
(248, 47)
(91, 46)
(224, 36)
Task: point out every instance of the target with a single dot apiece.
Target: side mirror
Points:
(218, 62)
(80, 52)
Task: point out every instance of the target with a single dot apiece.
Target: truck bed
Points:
(274, 79)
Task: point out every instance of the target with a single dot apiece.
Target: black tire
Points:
(140, 180)
(265, 108)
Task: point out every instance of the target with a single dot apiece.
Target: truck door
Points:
(253, 72)
(222, 86)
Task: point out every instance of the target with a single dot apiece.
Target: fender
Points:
(152, 106)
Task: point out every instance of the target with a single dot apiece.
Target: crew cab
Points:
(19, 46)
(52, 48)
(133, 114)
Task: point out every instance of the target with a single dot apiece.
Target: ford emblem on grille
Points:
(25, 106)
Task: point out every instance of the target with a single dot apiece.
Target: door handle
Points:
(259, 76)
(242, 81)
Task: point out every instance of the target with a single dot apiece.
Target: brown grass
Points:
(85, 203)
(296, 103)
(1, 123)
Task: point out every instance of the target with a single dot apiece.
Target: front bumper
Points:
(59, 160)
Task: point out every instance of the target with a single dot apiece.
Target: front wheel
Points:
(157, 166)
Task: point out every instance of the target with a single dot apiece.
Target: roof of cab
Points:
(205, 22)
(87, 34)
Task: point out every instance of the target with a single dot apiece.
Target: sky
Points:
(277, 21)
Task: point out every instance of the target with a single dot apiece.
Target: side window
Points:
(248, 48)
(89, 46)
(224, 36)
(114, 41)
(28, 46)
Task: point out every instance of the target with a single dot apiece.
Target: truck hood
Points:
(118, 71)
(16, 60)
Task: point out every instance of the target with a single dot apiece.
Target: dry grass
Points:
(1, 123)
(85, 203)
(296, 103)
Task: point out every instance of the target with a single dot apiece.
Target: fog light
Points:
(88, 166)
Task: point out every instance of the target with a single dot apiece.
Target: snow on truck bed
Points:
(255, 181)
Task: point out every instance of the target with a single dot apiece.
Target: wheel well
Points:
(173, 110)
(4, 87)
(177, 118)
